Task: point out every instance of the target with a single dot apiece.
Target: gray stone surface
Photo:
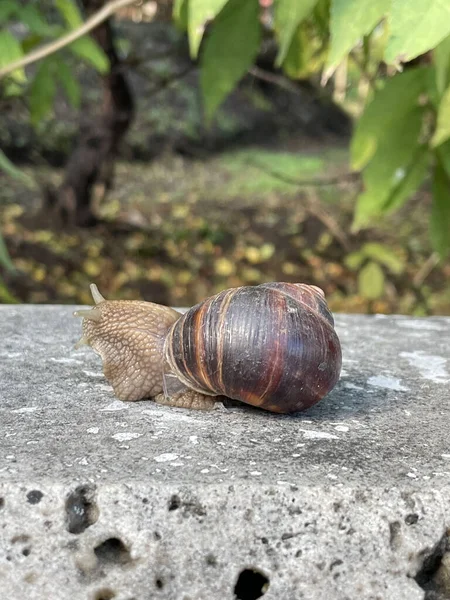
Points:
(102, 499)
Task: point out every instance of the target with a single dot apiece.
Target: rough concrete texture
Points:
(101, 499)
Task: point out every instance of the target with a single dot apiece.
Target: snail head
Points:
(129, 336)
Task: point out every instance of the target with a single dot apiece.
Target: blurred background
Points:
(182, 148)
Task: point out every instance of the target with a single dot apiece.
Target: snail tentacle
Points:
(93, 314)
(96, 294)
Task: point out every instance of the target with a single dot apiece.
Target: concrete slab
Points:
(103, 499)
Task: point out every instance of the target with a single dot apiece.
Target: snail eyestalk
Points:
(93, 314)
(96, 294)
(83, 341)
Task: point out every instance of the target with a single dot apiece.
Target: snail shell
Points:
(273, 346)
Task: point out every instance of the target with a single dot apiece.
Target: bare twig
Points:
(52, 47)
(349, 177)
(278, 80)
(313, 204)
(431, 262)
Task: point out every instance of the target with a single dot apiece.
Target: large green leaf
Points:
(42, 92)
(10, 51)
(288, 16)
(180, 9)
(33, 19)
(440, 212)
(392, 176)
(388, 110)
(5, 259)
(7, 9)
(69, 11)
(89, 51)
(416, 27)
(68, 82)
(350, 21)
(229, 51)
(371, 281)
(442, 132)
(442, 64)
(199, 13)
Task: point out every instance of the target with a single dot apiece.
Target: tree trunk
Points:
(90, 168)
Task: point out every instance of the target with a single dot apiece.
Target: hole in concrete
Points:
(211, 560)
(35, 496)
(174, 502)
(159, 582)
(26, 551)
(411, 519)
(81, 509)
(105, 594)
(157, 535)
(112, 551)
(434, 575)
(250, 585)
(2, 502)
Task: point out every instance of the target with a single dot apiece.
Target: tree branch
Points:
(52, 47)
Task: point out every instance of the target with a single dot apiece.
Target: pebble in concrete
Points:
(102, 499)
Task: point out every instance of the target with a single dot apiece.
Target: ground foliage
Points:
(178, 248)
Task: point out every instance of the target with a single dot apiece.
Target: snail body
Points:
(272, 346)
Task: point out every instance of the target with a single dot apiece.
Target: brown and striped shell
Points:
(273, 346)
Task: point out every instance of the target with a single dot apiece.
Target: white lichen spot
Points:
(204, 471)
(352, 386)
(93, 374)
(83, 461)
(387, 383)
(411, 475)
(309, 434)
(193, 439)
(69, 361)
(93, 429)
(445, 456)
(115, 406)
(255, 473)
(342, 428)
(429, 366)
(25, 409)
(166, 457)
(126, 436)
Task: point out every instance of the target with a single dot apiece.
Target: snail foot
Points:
(187, 399)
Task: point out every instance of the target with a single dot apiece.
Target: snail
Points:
(272, 346)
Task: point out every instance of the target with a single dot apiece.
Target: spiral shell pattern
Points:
(273, 346)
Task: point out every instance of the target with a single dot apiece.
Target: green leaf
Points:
(371, 281)
(350, 21)
(7, 9)
(389, 108)
(42, 92)
(12, 171)
(442, 64)
(180, 13)
(229, 51)
(32, 18)
(384, 256)
(443, 153)
(440, 212)
(385, 195)
(288, 16)
(89, 51)
(5, 259)
(68, 82)
(69, 11)
(199, 13)
(354, 260)
(295, 64)
(442, 132)
(416, 27)
(10, 51)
